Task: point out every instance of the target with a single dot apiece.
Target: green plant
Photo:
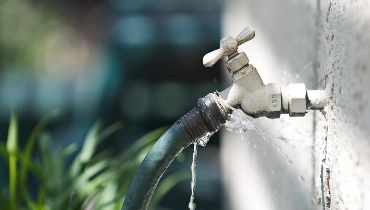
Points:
(90, 181)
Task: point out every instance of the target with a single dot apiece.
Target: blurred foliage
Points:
(36, 35)
(23, 29)
(89, 181)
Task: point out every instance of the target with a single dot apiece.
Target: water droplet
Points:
(288, 159)
(279, 148)
(297, 76)
(271, 170)
(284, 72)
(192, 206)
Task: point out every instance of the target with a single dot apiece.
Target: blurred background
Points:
(138, 62)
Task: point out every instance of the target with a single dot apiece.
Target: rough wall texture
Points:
(321, 161)
(343, 64)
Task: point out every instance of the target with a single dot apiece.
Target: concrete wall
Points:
(321, 161)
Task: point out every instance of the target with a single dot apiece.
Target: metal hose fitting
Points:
(204, 120)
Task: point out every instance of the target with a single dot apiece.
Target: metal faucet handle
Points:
(228, 46)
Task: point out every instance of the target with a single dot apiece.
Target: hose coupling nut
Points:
(204, 120)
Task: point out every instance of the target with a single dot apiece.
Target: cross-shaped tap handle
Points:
(228, 46)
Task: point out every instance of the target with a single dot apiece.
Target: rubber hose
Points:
(164, 151)
(205, 119)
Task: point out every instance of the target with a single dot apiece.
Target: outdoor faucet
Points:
(248, 92)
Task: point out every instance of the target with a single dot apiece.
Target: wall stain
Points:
(328, 12)
(327, 189)
(325, 174)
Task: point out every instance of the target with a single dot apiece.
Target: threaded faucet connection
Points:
(203, 120)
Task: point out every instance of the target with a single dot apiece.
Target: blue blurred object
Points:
(135, 61)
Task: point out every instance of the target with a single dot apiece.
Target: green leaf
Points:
(93, 179)
(87, 150)
(108, 195)
(12, 142)
(69, 150)
(26, 196)
(41, 197)
(47, 162)
(90, 144)
(33, 137)
(110, 130)
(28, 163)
(82, 179)
(12, 145)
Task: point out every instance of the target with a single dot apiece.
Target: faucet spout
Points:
(251, 95)
(271, 100)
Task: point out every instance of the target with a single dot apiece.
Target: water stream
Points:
(284, 142)
(193, 177)
(239, 122)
